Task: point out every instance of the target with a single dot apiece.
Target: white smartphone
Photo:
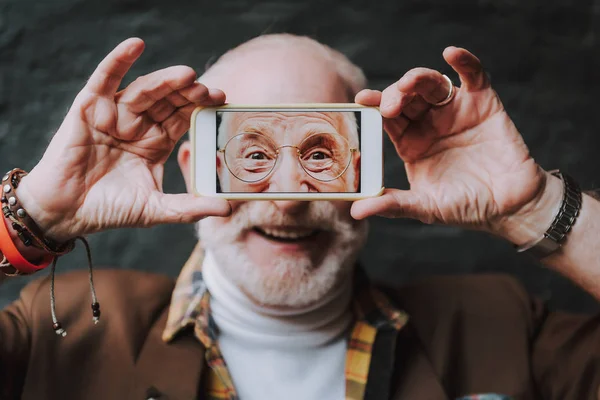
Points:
(287, 152)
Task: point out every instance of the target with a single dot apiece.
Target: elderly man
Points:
(288, 152)
(270, 305)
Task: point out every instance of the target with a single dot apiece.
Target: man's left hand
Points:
(466, 162)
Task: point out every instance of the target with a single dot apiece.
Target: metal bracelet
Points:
(563, 222)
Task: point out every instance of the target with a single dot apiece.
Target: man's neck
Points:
(306, 326)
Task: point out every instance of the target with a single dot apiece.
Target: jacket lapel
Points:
(414, 376)
(382, 363)
(168, 370)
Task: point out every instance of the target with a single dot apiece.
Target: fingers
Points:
(389, 109)
(200, 95)
(395, 129)
(427, 83)
(161, 110)
(368, 97)
(414, 94)
(147, 90)
(420, 88)
(393, 126)
(177, 99)
(468, 67)
(179, 121)
(416, 108)
(393, 203)
(187, 208)
(217, 97)
(393, 101)
(196, 93)
(107, 77)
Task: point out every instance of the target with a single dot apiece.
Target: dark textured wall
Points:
(543, 57)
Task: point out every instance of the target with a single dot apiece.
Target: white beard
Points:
(291, 281)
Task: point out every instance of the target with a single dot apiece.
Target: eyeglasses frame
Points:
(351, 149)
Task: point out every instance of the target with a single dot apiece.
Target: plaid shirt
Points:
(190, 307)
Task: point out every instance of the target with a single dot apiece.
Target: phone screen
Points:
(284, 151)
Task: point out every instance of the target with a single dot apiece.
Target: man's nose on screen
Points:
(288, 175)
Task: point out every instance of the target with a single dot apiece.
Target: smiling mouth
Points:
(288, 235)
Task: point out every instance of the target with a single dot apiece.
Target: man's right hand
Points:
(104, 167)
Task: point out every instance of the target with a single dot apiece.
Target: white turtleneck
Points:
(280, 354)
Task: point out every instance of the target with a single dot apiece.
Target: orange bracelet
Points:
(12, 254)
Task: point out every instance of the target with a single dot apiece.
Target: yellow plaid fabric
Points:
(190, 308)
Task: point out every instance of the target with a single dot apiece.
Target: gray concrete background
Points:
(543, 57)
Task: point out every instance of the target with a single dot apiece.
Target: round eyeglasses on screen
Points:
(251, 157)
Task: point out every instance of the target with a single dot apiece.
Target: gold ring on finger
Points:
(450, 96)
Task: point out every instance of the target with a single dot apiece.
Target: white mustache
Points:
(318, 215)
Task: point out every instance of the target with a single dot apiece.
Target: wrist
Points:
(49, 224)
(532, 220)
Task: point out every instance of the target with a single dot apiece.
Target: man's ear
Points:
(356, 163)
(219, 162)
(184, 156)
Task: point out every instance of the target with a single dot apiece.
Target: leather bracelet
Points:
(564, 220)
(27, 230)
(14, 257)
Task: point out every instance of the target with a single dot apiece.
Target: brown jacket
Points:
(473, 334)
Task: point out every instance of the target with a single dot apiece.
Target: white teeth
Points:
(295, 234)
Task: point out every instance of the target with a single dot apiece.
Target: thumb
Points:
(188, 208)
(394, 203)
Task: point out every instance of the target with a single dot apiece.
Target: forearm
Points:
(579, 256)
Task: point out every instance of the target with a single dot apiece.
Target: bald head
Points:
(284, 68)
